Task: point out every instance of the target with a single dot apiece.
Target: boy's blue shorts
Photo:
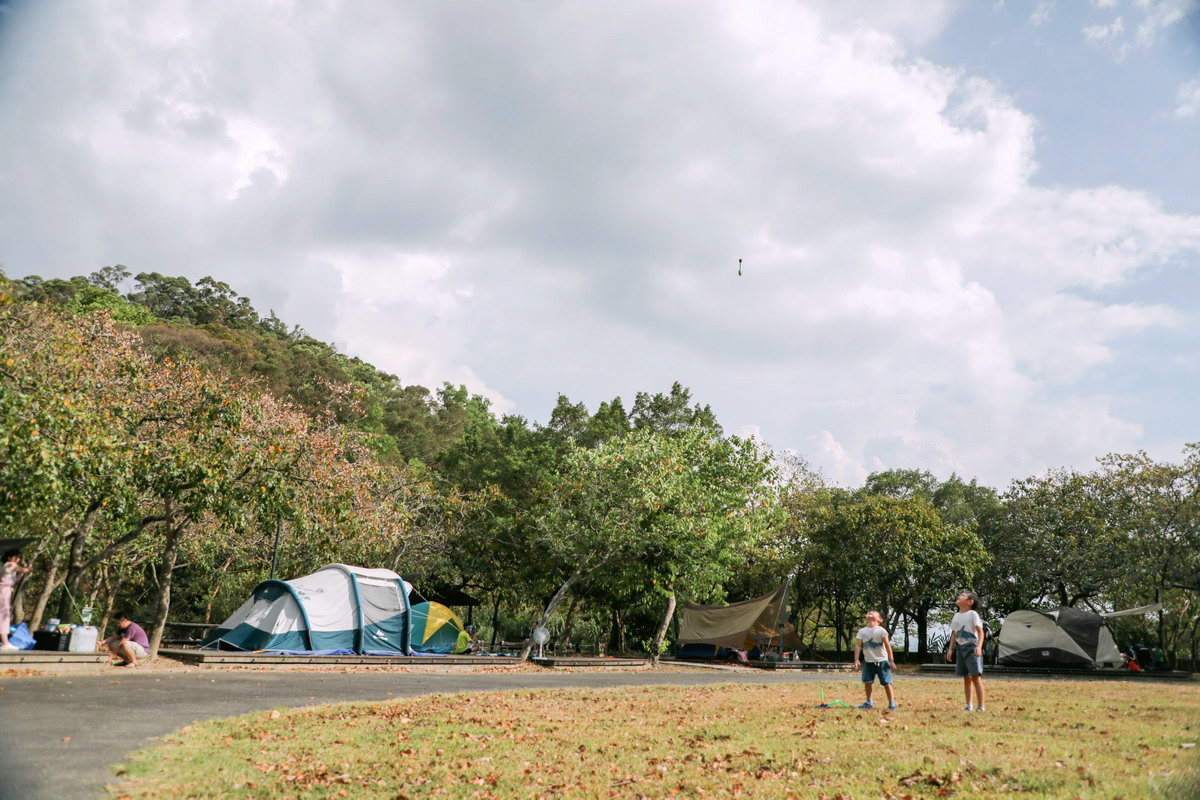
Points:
(966, 662)
(880, 669)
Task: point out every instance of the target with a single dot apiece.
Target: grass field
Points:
(1038, 739)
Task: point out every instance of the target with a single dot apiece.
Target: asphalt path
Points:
(61, 735)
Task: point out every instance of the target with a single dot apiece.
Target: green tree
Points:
(1052, 543)
(859, 550)
(671, 507)
(671, 412)
(1156, 506)
(962, 509)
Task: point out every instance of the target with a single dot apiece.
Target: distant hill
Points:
(210, 321)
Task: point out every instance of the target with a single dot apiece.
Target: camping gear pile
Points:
(338, 610)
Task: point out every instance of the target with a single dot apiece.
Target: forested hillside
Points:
(168, 446)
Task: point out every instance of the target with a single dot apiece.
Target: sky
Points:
(969, 229)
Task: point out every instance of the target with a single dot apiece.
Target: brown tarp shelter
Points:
(739, 626)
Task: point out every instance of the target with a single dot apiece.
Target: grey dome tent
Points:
(1060, 637)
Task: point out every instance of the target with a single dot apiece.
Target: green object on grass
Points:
(832, 703)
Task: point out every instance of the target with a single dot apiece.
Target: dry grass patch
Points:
(1039, 739)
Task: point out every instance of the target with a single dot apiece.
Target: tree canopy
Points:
(169, 446)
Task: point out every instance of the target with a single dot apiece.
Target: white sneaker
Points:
(9, 648)
(981, 708)
(968, 708)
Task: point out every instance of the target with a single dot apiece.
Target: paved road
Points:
(59, 735)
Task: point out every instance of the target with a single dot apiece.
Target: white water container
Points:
(83, 639)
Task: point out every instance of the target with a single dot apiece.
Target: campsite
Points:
(764, 398)
(190, 507)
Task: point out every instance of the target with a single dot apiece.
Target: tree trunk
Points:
(165, 574)
(818, 617)
(212, 598)
(923, 630)
(78, 541)
(18, 604)
(800, 624)
(103, 610)
(110, 600)
(839, 623)
(661, 634)
(570, 621)
(18, 600)
(553, 604)
(495, 619)
(616, 641)
(52, 581)
(1158, 599)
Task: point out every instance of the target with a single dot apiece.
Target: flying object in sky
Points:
(739, 266)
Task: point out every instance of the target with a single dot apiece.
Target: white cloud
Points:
(404, 310)
(1150, 20)
(839, 466)
(750, 431)
(1187, 101)
(1158, 15)
(1100, 33)
(531, 203)
(913, 21)
(1041, 13)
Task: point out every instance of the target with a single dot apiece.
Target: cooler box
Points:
(83, 639)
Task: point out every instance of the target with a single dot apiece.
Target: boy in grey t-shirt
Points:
(875, 648)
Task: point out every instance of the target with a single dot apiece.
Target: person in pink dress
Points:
(10, 571)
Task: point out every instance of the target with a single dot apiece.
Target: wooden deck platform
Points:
(808, 666)
(47, 659)
(1081, 674)
(210, 658)
(589, 661)
(214, 658)
(802, 666)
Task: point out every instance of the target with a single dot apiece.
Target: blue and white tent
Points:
(337, 609)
